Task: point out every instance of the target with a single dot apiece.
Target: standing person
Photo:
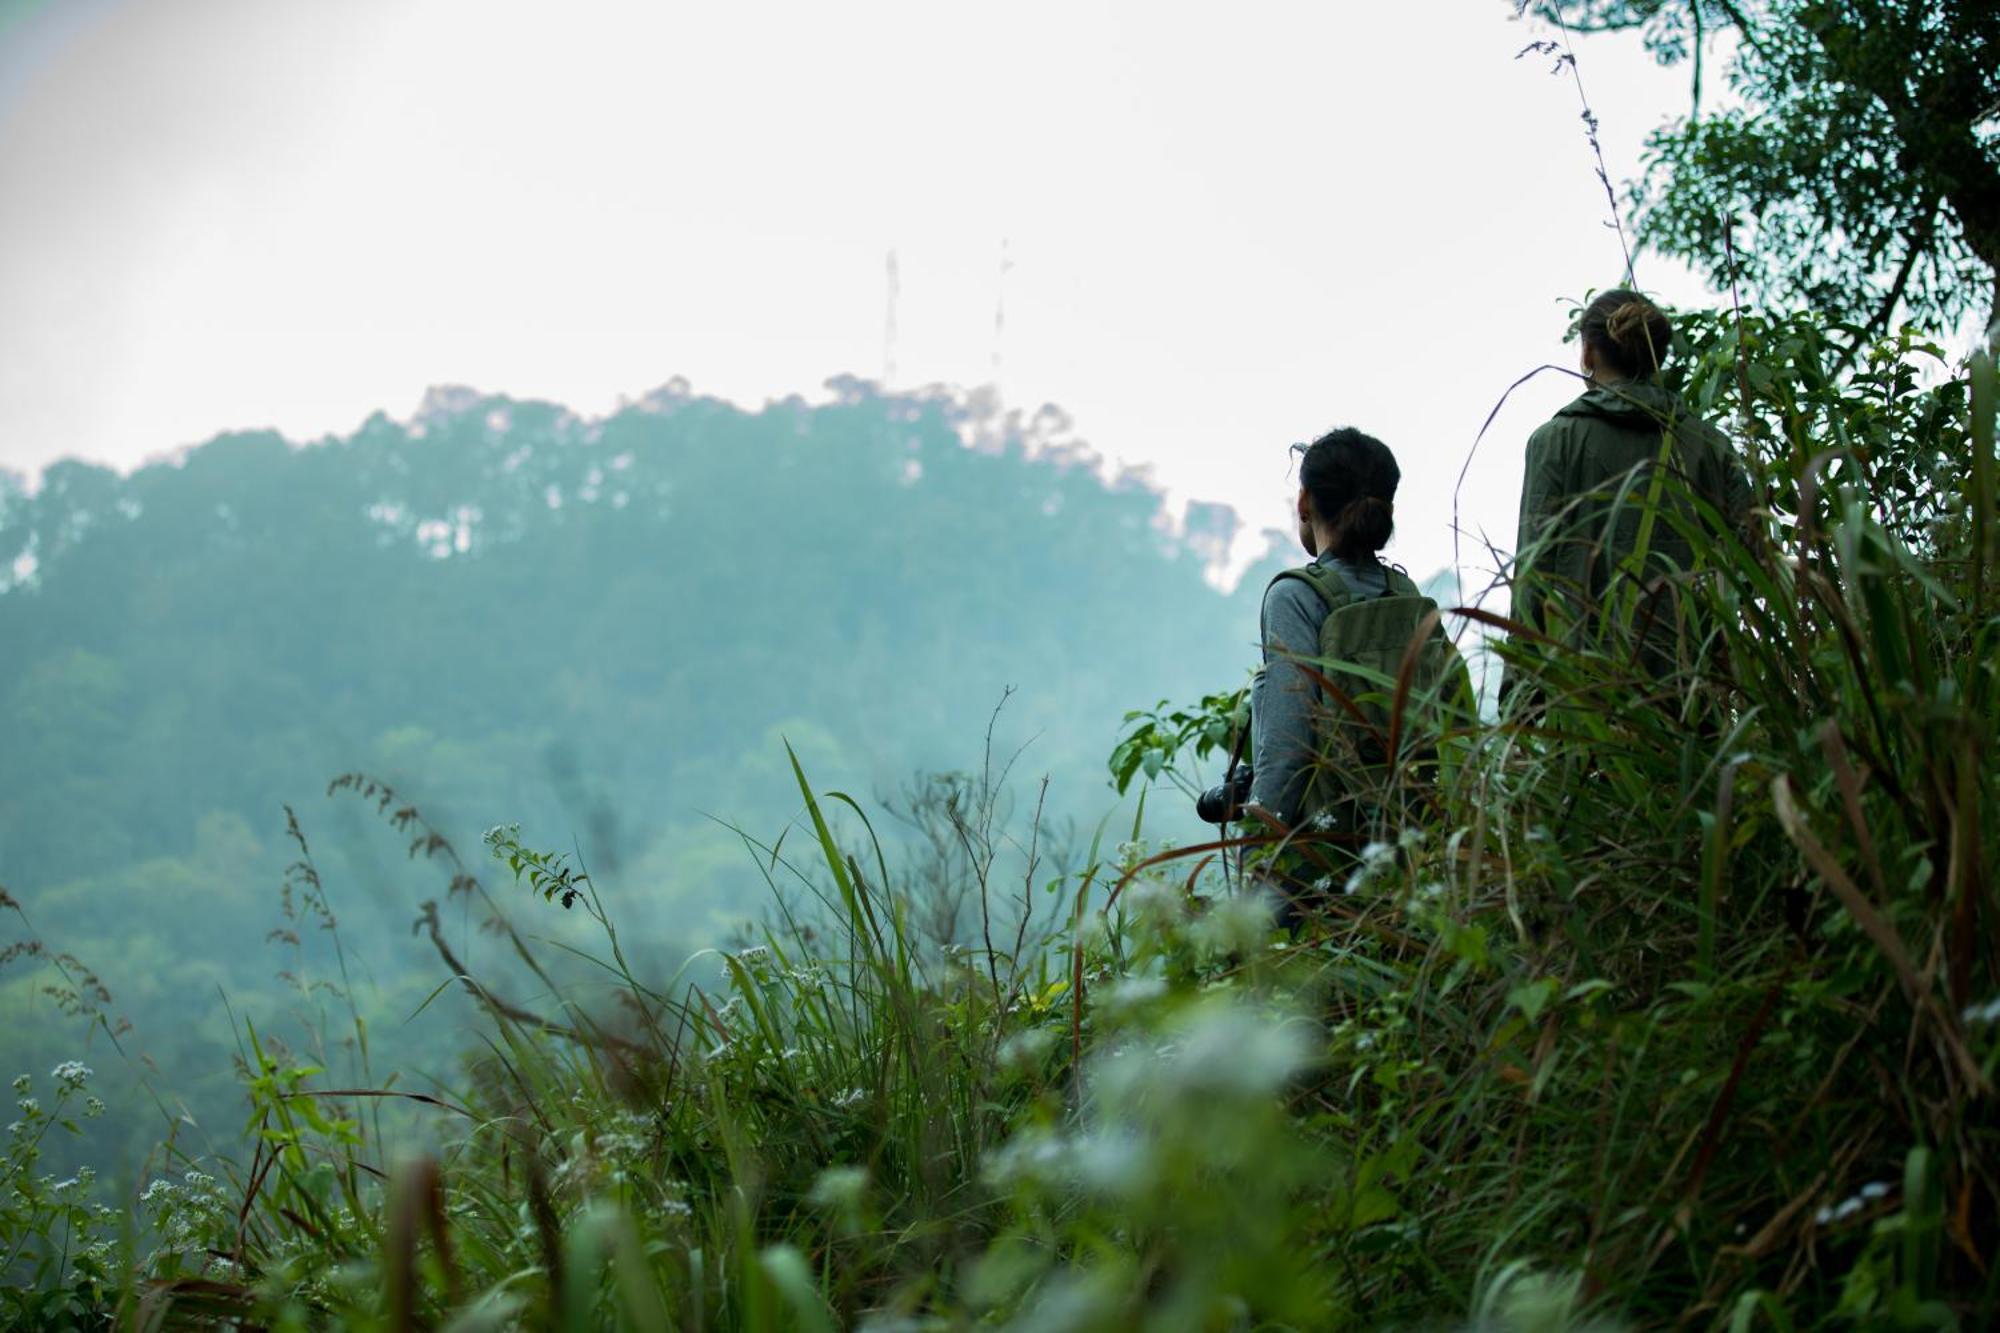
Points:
(1578, 534)
(1325, 759)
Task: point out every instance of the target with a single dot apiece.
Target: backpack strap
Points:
(1400, 583)
(1328, 583)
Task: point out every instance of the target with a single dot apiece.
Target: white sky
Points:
(1230, 227)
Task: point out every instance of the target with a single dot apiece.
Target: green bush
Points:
(1672, 1000)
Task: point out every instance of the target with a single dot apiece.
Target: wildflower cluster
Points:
(192, 1217)
(59, 1239)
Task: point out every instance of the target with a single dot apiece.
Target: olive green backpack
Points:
(1362, 644)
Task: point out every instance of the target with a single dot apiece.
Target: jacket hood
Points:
(1632, 403)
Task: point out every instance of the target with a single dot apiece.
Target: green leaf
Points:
(1532, 998)
(1373, 1204)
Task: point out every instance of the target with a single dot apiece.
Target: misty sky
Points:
(1227, 228)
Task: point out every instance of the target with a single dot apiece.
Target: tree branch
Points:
(1694, 110)
(1934, 130)
(1919, 242)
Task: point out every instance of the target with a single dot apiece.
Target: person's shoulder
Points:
(1587, 403)
(1397, 581)
(1295, 589)
(1566, 419)
(1708, 432)
(1557, 432)
(1692, 427)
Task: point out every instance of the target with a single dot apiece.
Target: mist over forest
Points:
(606, 631)
(714, 868)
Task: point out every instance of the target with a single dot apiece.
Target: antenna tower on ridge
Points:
(1000, 314)
(895, 289)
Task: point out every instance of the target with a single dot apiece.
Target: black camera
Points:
(1225, 800)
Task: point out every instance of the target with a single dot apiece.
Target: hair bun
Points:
(1629, 319)
(1633, 331)
(1367, 523)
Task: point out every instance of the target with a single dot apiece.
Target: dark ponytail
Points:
(1352, 480)
(1628, 333)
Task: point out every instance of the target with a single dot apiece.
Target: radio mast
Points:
(1000, 317)
(895, 290)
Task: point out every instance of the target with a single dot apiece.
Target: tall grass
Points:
(1670, 1000)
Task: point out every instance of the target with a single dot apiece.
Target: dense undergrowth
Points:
(1673, 1002)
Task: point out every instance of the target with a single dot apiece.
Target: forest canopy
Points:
(604, 630)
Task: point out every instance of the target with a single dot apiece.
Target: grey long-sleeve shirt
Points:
(1283, 698)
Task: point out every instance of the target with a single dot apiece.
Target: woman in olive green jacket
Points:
(1588, 467)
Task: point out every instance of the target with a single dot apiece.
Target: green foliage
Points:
(1855, 174)
(61, 1265)
(1159, 740)
(590, 626)
(547, 874)
(1794, 393)
(1673, 1006)
(1672, 1000)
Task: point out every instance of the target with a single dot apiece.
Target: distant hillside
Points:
(599, 628)
(504, 600)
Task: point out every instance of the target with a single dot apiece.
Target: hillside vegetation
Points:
(1671, 998)
(1673, 1002)
(597, 629)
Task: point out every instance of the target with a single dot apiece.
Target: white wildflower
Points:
(1111, 1161)
(1975, 1015)
(1376, 858)
(1220, 1051)
(881, 1321)
(1132, 994)
(620, 1145)
(1025, 1050)
(840, 1187)
(1033, 1155)
(1152, 903)
(1236, 923)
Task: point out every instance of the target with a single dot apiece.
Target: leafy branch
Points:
(548, 873)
